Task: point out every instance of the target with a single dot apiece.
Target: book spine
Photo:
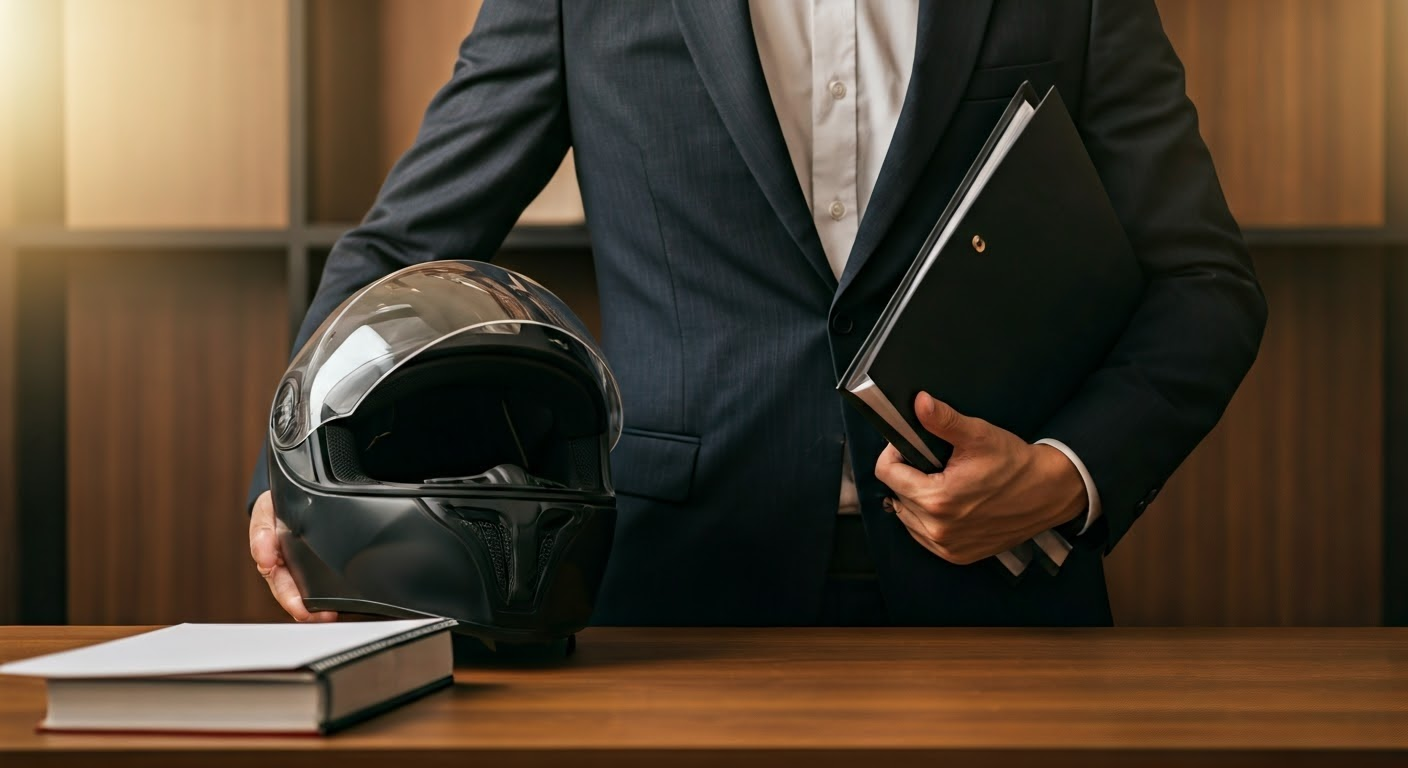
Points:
(332, 662)
(341, 723)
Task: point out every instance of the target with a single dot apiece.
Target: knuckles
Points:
(937, 531)
(938, 503)
(961, 558)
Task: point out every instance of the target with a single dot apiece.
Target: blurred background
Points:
(174, 172)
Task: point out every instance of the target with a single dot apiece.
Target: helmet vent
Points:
(342, 457)
(544, 552)
(547, 538)
(586, 461)
(494, 537)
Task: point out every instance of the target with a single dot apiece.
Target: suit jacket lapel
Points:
(719, 35)
(950, 36)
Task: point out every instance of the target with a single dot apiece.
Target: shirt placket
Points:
(835, 144)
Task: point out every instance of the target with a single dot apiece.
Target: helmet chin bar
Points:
(511, 570)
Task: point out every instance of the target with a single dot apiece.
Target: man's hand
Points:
(996, 492)
(264, 548)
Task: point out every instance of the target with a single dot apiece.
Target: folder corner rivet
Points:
(979, 244)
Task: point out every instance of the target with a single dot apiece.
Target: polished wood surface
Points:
(1291, 96)
(375, 64)
(176, 113)
(172, 362)
(1277, 518)
(833, 697)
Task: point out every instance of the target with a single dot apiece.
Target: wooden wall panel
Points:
(176, 113)
(1291, 95)
(402, 53)
(420, 40)
(419, 43)
(171, 364)
(1276, 519)
(344, 120)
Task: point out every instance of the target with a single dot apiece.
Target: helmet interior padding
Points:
(437, 420)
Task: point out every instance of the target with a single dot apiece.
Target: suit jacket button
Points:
(842, 325)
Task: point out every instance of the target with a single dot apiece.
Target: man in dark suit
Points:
(749, 223)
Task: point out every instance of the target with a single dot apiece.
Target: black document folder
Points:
(1020, 291)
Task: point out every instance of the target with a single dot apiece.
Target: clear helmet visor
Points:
(394, 319)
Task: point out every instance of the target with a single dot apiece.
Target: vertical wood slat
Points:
(176, 113)
(1396, 339)
(31, 194)
(344, 124)
(1276, 519)
(420, 41)
(171, 360)
(1291, 95)
(41, 469)
(9, 552)
(9, 497)
(1395, 541)
(419, 44)
(375, 64)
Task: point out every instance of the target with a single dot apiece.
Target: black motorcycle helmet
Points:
(439, 447)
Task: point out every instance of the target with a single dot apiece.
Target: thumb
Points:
(263, 535)
(944, 422)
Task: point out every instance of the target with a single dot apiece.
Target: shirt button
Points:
(838, 89)
(838, 210)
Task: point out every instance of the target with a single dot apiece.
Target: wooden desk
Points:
(827, 697)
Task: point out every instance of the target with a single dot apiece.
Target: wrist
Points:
(1062, 484)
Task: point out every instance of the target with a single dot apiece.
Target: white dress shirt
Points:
(837, 71)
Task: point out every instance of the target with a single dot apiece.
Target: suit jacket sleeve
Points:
(1199, 325)
(490, 141)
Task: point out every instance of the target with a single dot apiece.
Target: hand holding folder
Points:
(1019, 293)
(993, 487)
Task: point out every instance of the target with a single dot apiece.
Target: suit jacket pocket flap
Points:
(1003, 82)
(656, 465)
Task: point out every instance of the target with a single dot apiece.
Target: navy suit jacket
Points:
(724, 323)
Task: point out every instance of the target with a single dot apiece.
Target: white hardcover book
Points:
(243, 678)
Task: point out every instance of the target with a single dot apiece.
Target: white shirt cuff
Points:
(1092, 496)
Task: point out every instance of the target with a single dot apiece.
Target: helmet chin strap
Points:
(503, 474)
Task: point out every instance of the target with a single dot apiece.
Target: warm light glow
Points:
(28, 95)
(9, 32)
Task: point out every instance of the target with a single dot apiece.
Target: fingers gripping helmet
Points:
(439, 447)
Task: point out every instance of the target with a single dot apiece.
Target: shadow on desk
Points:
(472, 654)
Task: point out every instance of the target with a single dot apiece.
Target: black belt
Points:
(850, 549)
